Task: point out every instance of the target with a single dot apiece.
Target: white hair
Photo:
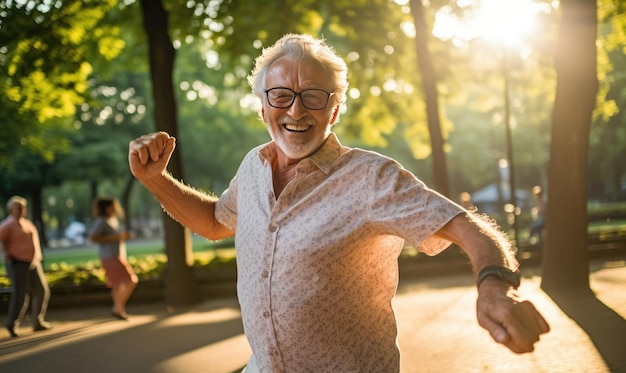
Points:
(305, 47)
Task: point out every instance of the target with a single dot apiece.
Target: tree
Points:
(180, 285)
(565, 259)
(429, 82)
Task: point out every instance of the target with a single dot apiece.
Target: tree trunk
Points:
(37, 196)
(429, 83)
(180, 285)
(128, 188)
(93, 190)
(565, 259)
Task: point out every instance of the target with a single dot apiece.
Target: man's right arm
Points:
(511, 320)
(148, 157)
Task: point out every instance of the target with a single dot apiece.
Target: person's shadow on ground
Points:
(605, 327)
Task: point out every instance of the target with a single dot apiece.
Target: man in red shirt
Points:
(22, 252)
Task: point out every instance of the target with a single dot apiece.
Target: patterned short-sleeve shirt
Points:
(318, 266)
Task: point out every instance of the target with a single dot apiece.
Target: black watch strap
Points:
(501, 273)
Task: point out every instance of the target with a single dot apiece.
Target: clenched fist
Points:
(149, 155)
(511, 321)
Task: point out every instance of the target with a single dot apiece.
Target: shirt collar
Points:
(323, 158)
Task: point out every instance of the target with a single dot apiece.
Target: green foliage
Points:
(92, 274)
(607, 151)
(63, 274)
(44, 67)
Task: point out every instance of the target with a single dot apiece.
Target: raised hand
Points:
(149, 154)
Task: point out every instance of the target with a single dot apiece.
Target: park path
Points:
(437, 333)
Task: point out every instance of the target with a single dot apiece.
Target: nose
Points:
(297, 110)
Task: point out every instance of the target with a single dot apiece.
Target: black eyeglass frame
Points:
(298, 94)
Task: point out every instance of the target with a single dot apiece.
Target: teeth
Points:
(295, 127)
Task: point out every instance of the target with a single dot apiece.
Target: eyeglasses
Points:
(312, 99)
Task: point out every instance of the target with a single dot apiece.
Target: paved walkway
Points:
(437, 333)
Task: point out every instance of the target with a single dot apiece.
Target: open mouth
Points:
(296, 127)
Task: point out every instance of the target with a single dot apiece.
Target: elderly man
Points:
(319, 227)
(22, 253)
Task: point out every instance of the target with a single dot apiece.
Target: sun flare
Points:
(505, 22)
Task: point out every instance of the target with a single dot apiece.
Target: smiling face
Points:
(298, 131)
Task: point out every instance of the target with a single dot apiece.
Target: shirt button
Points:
(273, 227)
(265, 274)
(266, 314)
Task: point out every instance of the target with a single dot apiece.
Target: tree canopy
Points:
(46, 48)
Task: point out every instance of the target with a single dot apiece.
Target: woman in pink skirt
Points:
(111, 241)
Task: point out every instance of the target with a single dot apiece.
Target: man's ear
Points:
(263, 115)
(333, 119)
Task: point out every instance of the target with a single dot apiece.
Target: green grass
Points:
(607, 229)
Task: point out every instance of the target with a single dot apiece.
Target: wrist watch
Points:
(501, 273)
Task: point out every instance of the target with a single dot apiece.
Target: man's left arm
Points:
(510, 320)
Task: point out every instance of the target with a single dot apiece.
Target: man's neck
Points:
(283, 171)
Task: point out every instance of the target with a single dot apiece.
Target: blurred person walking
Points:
(22, 251)
(105, 231)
